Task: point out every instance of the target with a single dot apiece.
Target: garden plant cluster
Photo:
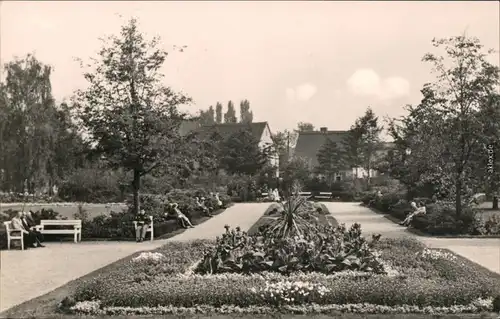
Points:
(295, 264)
(440, 219)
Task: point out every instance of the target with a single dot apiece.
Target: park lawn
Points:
(439, 282)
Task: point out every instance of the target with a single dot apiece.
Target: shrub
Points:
(91, 186)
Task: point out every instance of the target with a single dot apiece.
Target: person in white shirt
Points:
(417, 211)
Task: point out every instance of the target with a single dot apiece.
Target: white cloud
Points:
(303, 92)
(367, 82)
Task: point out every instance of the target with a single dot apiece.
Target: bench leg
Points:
(76, 237)
(8, 244)
(22, 242)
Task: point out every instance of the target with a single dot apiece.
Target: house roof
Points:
(309, 143)
(227, 129)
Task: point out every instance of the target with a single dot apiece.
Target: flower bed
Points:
(419, 281)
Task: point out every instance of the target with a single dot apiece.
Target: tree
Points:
(207, 117)
(464, 81)
(330, 161)
(130, 116)
(284, 143)
(246, 116)
(30, 126)
(351, 146)
(218, 113)
(230, 115)
(367, 132)
(295, 170)
(305, 127)
(240, 153)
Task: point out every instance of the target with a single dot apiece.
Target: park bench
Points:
(306, 194)
(324, 195)
(264, 195)
(10, 236)
(76, 231)
(150, 227)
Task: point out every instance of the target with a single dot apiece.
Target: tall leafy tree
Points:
(284, 143)
(218, 113)
(241, 154)
(330, 161)
(29, 126)
(207, 117)
(465, 79)
(305, 127)
(131, 117)
(368, 130)
(230, 115)
(246, 116)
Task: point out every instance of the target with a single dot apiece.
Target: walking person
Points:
(143, 223)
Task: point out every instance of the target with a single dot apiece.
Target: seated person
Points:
(208, 202)
(217, 199)
(29, 223)
(176, 212)
(29, 237)
(143, 223)
(417, 210)
(201, 206)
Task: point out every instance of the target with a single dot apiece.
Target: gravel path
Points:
(25, 275)
(484, 251)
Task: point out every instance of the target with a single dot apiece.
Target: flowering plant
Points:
(290, 292)
(435, 254)
(149, 256)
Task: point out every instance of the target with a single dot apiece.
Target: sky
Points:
(295, 61)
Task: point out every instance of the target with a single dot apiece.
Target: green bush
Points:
(91, 186)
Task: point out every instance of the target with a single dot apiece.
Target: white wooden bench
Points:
(324, 195)
(307, 194)
(150, 227)
(264, 194)
(76, 231)
(9, 230)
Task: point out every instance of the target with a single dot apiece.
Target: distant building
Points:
(309, 144)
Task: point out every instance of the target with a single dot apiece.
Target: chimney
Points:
(323, 129)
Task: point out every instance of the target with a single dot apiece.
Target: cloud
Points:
(303, 92)
(367, 82)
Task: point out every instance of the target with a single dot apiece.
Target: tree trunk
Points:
(458, 197)
(136, 184)
(495, 202)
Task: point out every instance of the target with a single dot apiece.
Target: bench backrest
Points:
(55, 222)
(325, 193)
(8, 225)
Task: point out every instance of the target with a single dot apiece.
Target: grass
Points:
(45, 306)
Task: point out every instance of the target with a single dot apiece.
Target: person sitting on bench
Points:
(176, 212)
(417, 210)
(201, 206)
(29, 222)
(219, 202)
(29, 237)
(143, 223)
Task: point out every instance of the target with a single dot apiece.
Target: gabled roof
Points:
(227, 129)
(309, 143)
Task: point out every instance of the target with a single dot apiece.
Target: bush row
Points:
(119, 225)
(441, 218)
(422, 280)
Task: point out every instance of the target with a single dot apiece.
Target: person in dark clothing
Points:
(29, 237)
(143, 223)
(28, 223)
